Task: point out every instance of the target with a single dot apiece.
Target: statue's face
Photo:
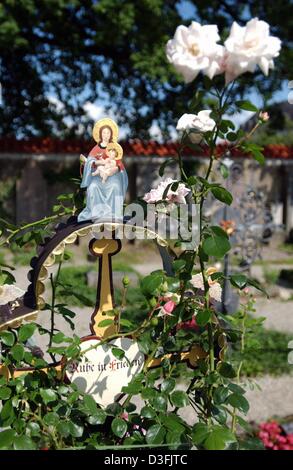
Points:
(112, 154)
(106, 134)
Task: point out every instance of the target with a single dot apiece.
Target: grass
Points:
(286, 247)
(261, 262)
(269, 357)
(22, 256)
(78, 293)
(270, 275)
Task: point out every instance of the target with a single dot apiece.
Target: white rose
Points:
(215, 289)
(156, 194)
(196, 124)
(249, 46)
(194, 49)
(9, 293)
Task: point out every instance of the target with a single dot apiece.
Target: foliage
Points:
(41, 409)
(268, 356)
(114, 50)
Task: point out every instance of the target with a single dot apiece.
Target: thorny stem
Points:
(243, 332)
(201, 261)
(30, 225)
(52, 309)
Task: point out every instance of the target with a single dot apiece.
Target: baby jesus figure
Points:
(107, 165)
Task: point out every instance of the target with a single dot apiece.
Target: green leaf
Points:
(216, 244)
(6, 277)
(98, 418)
(59, 337)
(238, 401)
(179, 399)
(177, 440)
(75, 430)
(126, 323)
(217, 276)
(246, 105)
(192, 180)
(133, 388)
(168, 385)
(172, 422)
(33, 428)
(258, 156)
(224, 170)
(219, 438)
(236, 388)
(90, 404)
(7, 337)
(7, 413)
(231, 136)
(23, 443)
(163, 166)
(5, 393)
(200, 432)
(144, 344)
(6, 438)
(218, 231)
(17, 352)
(155, 434)
(119, 427)
(238, 280)
(51, 419)
(159, 403)
(26, 331)
(179, 265)
(151, 283)
(255, 150)
(251, 443)
(105, 323)
(257, 285)
(48, 395)
(114, 409)
(118, 353)
(220, 395)
(226, 370)
(63, 428)
(203, 317)
(167, 189)
(148, 412)
(222, 195)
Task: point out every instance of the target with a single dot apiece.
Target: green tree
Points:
(113, 50)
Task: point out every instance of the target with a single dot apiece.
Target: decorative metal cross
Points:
(99, 372)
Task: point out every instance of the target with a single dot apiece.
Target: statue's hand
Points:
(82, 159)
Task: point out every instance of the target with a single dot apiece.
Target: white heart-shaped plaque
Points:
(100, 374)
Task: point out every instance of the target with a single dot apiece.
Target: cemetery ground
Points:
(266, 372)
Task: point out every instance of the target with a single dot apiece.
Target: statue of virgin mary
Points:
(104, 200)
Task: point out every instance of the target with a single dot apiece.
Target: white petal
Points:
(181, 35)
(197, 281)
(185, 122)
(9, 293)
(215, 292)
(264, 65)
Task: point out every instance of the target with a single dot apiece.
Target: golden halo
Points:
(116, 147)
(105, 122)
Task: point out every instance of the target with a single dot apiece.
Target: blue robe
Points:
(104, 201)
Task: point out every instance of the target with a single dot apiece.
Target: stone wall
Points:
(31, 183)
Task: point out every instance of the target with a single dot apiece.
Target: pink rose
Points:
(167, 309)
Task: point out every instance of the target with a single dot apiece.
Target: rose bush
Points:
(41, 410)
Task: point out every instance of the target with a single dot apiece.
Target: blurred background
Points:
(65, 64)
